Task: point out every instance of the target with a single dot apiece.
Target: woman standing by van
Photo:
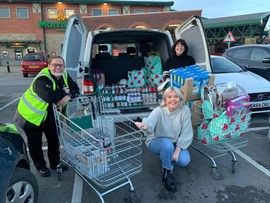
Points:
(180, 57)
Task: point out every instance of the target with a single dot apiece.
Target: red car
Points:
(33, 63)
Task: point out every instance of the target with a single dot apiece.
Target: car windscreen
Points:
(34, 57)
(223, 65)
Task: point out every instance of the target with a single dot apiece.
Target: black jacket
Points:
(178, 62)
(44, 89)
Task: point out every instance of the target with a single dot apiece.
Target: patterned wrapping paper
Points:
(156, 79)
(222, 128)
(150, 75)
(153, 68)
(153, 64)
(136, 78)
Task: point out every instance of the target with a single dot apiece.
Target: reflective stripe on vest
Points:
(33, 108)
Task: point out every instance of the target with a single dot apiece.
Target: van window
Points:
(115, 49)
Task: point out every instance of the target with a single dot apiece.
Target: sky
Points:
(223, 8)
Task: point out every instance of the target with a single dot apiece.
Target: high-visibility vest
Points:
(33, 108)
(8, 128)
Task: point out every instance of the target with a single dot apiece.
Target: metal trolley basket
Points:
(103, 151)
(217, 134)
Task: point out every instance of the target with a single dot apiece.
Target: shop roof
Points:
(122, 2)
(239, 20)
(20, 41)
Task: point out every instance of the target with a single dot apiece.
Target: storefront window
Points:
(4, 12)
(97, 12)
(22, 13)
(69, 12)
(138, 11)
(113, 12)
(52, 13)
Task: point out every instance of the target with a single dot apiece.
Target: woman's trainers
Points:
(44, 172)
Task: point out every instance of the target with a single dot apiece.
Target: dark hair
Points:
(180, 41)
(56, 57)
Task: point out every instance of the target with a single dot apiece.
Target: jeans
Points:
(164, 147)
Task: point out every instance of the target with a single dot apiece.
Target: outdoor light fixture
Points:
(174, 25)
(140, 26)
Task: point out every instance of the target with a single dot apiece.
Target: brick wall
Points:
(152, 20)
(28, 29)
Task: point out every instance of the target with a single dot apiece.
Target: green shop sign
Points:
(57, 25)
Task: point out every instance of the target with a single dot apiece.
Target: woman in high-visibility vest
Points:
(35, 115)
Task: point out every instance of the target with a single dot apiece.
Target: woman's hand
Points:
(64, 100)
(141, 126)
(176, 153)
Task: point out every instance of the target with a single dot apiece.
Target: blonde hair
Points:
(177, 91)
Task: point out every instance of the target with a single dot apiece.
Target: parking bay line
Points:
(77, 186)
(3, 107)
(77, 189)
(253, 162)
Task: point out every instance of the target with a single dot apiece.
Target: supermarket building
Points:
(30, 26)
(39, 25)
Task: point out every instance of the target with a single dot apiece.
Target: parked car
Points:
(33, 63)
(255, 58)
(256, 86)
(17, 183)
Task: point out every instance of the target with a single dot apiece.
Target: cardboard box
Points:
(188, 87)
(196, 113)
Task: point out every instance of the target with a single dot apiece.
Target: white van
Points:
(112, 54)
(115, 52)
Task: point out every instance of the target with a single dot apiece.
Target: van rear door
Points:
(192, 31)
(74, 46)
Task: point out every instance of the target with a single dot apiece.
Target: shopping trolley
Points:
(217, 134)
(104, 151)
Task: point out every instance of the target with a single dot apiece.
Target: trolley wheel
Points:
(233, 166)
(216, 174)
(59, 171)
(59, 176)
(133, 197)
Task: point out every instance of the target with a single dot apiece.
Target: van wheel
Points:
(25, 75)
(23, 187)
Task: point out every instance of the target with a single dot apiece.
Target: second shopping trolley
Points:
(103, 149)
(217, 134)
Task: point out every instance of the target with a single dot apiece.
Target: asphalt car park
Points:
(249, 183)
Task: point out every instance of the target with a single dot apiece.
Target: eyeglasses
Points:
(55, 65)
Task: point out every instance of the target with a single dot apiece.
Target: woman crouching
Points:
(169, 133)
